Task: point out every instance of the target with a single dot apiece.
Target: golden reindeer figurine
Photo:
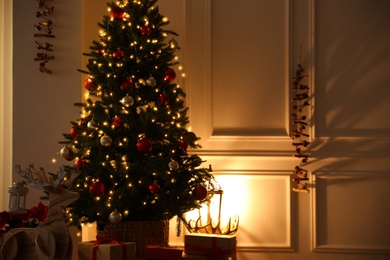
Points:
(51, 240)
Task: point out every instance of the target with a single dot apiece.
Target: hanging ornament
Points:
(151, 81)
(173, 165)
(118, 54)
(127, 101)
(89, 84)
(105, 140)
(67, 153)
(163, 99)
(116, 122)
(200, 192)
(117, 13)
(183, 145)
(79, 163)
(115, 217)
(144, 145)
(73, 132)
(92, 124)
(154, 188)
(81, 121)
(170, 75)
(128, 84)
(173, 44)
(145, 30)
(97, 188)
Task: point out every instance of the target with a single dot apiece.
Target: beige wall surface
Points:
(239, 57)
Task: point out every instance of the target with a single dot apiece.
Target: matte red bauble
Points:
(144, 145)
(79, 163)
(154, 188)
(170, 75)
(97, 188)
(145, 30)
(118, 54)
(183, 145)
(89, 84)
(73, 132)
(200, 192)
(128, 85)
(163, 99)
(117, 13)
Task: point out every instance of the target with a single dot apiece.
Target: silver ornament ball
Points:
(127, 101)
(115, 217)
(91, 124)
(173, 165)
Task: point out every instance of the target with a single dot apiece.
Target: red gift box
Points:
(154, 252)
(106, 249)
(211, 246)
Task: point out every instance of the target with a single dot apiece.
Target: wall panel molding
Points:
(215, 105)
(265, 225)
(345, 215)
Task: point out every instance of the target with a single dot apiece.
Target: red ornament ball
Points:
(89, 84)
(154, 188)
(79, 163)
(117, 13)
(183, 145)
(170, 75)
(163, 99)
(200, 192)
(116, 122)
(118, 54)
(144, 145)
(73, 132)
(128, 84)
(97, 188)
(145, 30)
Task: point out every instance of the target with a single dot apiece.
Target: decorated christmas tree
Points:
(131, 144)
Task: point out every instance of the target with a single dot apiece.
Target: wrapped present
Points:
(154, 252)
(194, 257)
(103, 249)
(212, 246)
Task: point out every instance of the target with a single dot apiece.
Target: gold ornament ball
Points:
(115, 217)
(173, 165)
(105, 140)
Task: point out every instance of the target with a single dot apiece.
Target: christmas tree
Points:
(131, 144)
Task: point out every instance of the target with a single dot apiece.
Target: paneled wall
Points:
(238, 57)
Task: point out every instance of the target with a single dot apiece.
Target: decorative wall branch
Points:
(299, 132)
(44, 27)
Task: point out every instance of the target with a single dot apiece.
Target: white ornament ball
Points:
(115, 217)
(173, 165)
(105, 140)
(127, 101)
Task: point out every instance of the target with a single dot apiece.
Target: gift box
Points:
(212, 246)
(154, 252)
(194, 257)
(106, 250)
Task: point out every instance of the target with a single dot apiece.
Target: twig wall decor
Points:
(299, 131)
(44, 29)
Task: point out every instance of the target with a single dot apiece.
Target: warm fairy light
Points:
(97, 198)
(164, 34)
(53, 160)
(165, 19)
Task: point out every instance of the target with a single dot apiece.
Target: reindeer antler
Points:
(39, 178)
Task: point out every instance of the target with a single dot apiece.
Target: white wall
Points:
(239, 57)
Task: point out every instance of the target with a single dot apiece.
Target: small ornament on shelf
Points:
(299, 132)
